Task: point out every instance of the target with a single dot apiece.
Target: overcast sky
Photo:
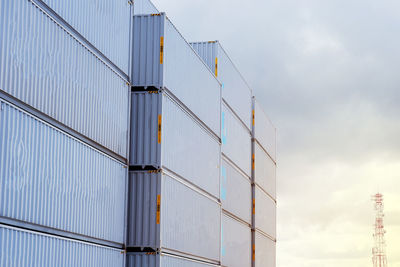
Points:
(328, 74)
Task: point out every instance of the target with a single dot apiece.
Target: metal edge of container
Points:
(61, 127)
(255, 248)
(78, 37)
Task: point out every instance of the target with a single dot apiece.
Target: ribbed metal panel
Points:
(49, 178)
(45, 67)
(236, 141)
(186, 148)
(265, 171)
(236, 243)
(157, 260)
(264, 130)
(235, 90)
(104, 23)
(24, 248)
(189, 222)
(265, 213)
(172, 63)
(265, 251)
(144, 7)
(235, 192)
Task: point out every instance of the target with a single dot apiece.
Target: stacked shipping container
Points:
(117, 135)
(64, 110)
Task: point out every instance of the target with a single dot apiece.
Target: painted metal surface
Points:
(264, 171)
(50, 179)
(165, 213)
(164, 135)
(144, 7)
(236, 140)
(265, 213)
(161, 260)
(163, 58)
(105, 24)
(235, 91)
(43, 66)
(236, 243)
(264, 130)
(25, 248)
(265, 251)
(235, 192)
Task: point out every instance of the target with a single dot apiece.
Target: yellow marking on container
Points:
(254, 206)
(254, 252)
(216, 67)
(158, 209)
(159, 129)
(155, 14)
(161, 50)
(253, 161)
(253, 116)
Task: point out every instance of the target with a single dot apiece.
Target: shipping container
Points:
(102, 26)
(162, 260)
(264, 171)
(235, 192)
(264, 131)
(144, 7)
(265, 251)
(51, 179)
(162, 58)
(236, 140)
(43, 66)
(26, 248)
(168, 215)
(235, 90)
(236, 243)
(265, 213)
(165, 135)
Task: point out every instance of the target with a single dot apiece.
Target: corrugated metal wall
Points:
(26, 248)
(42, 65)
(172, 145)
(177, 68)
(236, 243)
(265, 251)
(51, 179)
(164, 213)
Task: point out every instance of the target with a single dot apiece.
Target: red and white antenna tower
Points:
(379, 249)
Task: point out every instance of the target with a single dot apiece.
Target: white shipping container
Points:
(265, 171)
(163, 59)
(236, 243)
(104, 24)
(162, 260)
(235, 192)
(50, 179)
(26, 248)
(165, 135)
(166, 214)
(265, 251)
(236, 141)
(264, 131)
(235, 91)
(265, 213)
(43, 66)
